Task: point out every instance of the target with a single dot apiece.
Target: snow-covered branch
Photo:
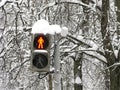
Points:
(96, 55)
(74, 2)
(115, 64)
(90, 49)
(45, 7)
(62, 2)
(79, 41)
(3, 2)
(19, 65)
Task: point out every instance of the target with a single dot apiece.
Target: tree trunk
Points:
(115, 78)
(107, 80)
(85, 22)
(108, 48)
(78, 72)
(117, 3)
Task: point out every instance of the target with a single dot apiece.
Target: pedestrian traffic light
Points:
(40, 52)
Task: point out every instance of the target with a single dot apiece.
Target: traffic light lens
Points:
(41, 42)
(40, 61)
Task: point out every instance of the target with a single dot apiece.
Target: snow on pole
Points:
(64, 31)
(54, 29)
(57, 75)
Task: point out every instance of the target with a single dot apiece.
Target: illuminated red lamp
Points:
(41, 41)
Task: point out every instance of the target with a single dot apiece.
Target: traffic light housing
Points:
(40, 52)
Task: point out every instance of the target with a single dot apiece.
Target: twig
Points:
(62, 2)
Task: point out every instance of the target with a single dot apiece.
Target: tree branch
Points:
(62, 2)
(79, 41)
(18, 66)
(96, 55)
(3, 2)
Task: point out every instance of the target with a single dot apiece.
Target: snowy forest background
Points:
(90, 54)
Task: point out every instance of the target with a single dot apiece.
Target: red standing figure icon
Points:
(40, 42)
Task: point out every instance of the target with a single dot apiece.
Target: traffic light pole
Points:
(57, 76)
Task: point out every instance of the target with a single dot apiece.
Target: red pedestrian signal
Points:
(41, 41)
(40, 53)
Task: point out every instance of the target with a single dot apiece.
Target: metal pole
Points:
(57, 76)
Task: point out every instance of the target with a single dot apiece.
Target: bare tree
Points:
(108, 48)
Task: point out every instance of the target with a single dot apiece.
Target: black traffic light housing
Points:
(40, 52)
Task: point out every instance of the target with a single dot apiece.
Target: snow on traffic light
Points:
(40, 52)
(40, 44)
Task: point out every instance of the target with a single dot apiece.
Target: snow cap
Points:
(42, 26)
